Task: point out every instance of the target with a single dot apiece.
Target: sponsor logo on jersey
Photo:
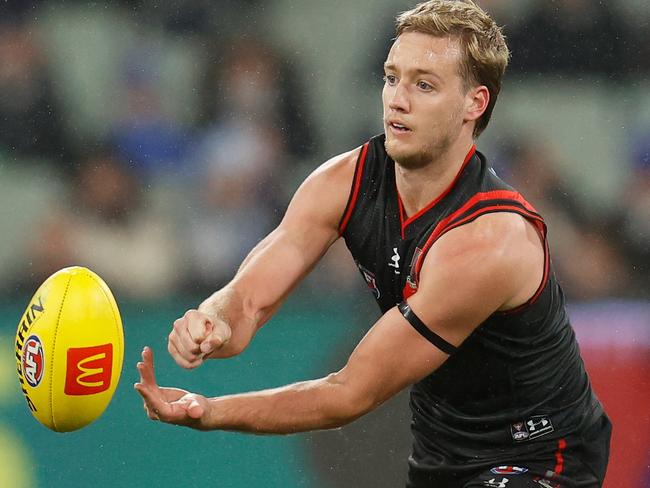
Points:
(519, 433)
(532, 428)
(395, 261)
(33, 360)
(88, 369)
(371, 281)
(508, 470)
(496, 484)
(538, 426)
(546, 483)
(411, 279)
(411, 285)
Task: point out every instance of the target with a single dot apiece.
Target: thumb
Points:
(195, 409)
(219, 336)
(208, 346)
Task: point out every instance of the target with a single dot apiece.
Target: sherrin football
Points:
(69, 349)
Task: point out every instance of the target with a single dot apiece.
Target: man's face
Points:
(423, 96)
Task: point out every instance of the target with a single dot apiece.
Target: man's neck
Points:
(419, 187)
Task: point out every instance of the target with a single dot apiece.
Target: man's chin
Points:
(397, 149)
(403, 155)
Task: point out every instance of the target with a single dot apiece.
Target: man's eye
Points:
(390, 79)
(423, 85)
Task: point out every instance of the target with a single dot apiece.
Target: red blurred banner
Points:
(614, 339)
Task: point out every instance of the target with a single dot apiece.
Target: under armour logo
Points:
(496, 484)
(395, 261)
(537, 423)
(534, 427)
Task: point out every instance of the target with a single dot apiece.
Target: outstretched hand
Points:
(170, 405)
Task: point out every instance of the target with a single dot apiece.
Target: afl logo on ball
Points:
(33, 361)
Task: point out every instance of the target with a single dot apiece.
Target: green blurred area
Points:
(311, 336)
(125, 449)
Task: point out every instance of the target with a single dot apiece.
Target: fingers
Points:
(182, 345)
(154, 406)
(171, 405)
(153, 415)
(218, 337)
(147, 388)
(181, 360)
(199, 325)
(147, 375)
(194, 336)
(184, 336)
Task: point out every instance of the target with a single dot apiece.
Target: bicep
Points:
(308, 229)
(391, 356)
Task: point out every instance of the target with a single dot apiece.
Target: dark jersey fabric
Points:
(516, 389)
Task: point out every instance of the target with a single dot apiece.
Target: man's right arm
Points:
(224, 324)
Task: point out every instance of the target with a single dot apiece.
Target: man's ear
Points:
(476, 102)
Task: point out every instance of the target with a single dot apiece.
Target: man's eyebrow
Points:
(417, 71)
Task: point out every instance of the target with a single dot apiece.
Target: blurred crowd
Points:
(162, 201)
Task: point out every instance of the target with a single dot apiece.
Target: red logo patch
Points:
(88, 370)
(508, 470)
(33, 361)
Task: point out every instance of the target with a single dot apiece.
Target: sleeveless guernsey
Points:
(516, 387)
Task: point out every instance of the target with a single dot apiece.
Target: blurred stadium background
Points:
(156, 142)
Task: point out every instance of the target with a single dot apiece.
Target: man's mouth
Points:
(398, 128)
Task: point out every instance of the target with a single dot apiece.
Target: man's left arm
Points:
(493, 263)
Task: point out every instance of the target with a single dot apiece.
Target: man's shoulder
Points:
(493, 233)
(324, 194)
(339, 166)
(373, 146)
(498, 251)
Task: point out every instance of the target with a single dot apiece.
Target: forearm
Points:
(310, 405)
(265, 278)
(274, 267)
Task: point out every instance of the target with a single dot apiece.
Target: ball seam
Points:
(56, 330)
(116, 318)
(117, 321)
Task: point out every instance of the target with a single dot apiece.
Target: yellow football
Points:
(69, 349)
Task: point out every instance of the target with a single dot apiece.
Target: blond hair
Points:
(485, 53)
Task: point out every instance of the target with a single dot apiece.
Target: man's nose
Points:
(400, 99)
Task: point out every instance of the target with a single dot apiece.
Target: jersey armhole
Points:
(482, 204)
(537, 222)
(540, 227)
(354, 190)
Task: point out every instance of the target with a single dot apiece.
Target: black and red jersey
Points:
(516, 388)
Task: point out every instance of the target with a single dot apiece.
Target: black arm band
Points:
(430, 336)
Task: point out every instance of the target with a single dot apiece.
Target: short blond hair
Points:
(485, 53)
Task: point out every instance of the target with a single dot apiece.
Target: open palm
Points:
(170, 405)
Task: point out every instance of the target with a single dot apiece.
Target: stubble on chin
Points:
(415, 159)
